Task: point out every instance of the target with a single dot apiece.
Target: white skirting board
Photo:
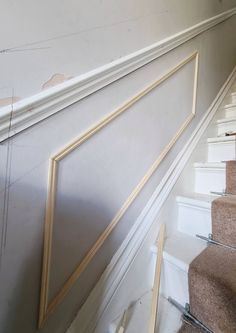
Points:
(98, 303)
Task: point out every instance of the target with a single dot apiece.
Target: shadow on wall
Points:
(21, 262)
(20, 278)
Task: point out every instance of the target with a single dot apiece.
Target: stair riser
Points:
(174, 283)
(218, 152)
(193, 220)
(226, 127)
(208, 180)
(230, 112)
(233, 98)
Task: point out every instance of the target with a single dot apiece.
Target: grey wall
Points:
(70, 37)
(96, 179)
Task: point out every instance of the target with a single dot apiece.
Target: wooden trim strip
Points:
(46, 307)
(55, 99)
(157, 280)
(95, 305)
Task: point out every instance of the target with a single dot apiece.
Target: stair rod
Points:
(187, 316)
(222, 194)
(210, 240)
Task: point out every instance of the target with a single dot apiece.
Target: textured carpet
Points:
(212, 286)
(223, 213)
(231, 177)
(212, 275)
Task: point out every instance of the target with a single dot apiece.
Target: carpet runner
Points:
(212, 275)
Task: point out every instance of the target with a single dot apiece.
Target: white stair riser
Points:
(193, 220)
(218, 152)
(233, 98)
(208, 180)
(230, 112)
(222, 128)
(174, 283)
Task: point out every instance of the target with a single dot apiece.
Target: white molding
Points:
(101, 296)
(221, 139)
(209, 165)
(23, 114)
(47, 308)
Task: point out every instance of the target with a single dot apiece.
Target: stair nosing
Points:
(231, 105)
(181, 263)
(209, 165)
(222, 139)
(189, 201)
(226, 120)
(176, 261)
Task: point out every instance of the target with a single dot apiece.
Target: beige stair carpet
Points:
(223, 213)
(231, 177)
(212, 275)
(212, 286)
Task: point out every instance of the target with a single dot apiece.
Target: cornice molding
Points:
(29, 111)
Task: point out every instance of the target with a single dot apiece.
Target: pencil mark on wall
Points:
(16, 49)
(6, 185)
(26, 46)
(10, 184)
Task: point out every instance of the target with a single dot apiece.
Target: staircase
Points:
(193, 272)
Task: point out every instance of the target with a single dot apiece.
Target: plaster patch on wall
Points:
(8, 100)
(55, 80)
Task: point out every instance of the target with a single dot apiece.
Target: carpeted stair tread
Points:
(187, 328)
(212, 286)
(231, 177)
(223, 213)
